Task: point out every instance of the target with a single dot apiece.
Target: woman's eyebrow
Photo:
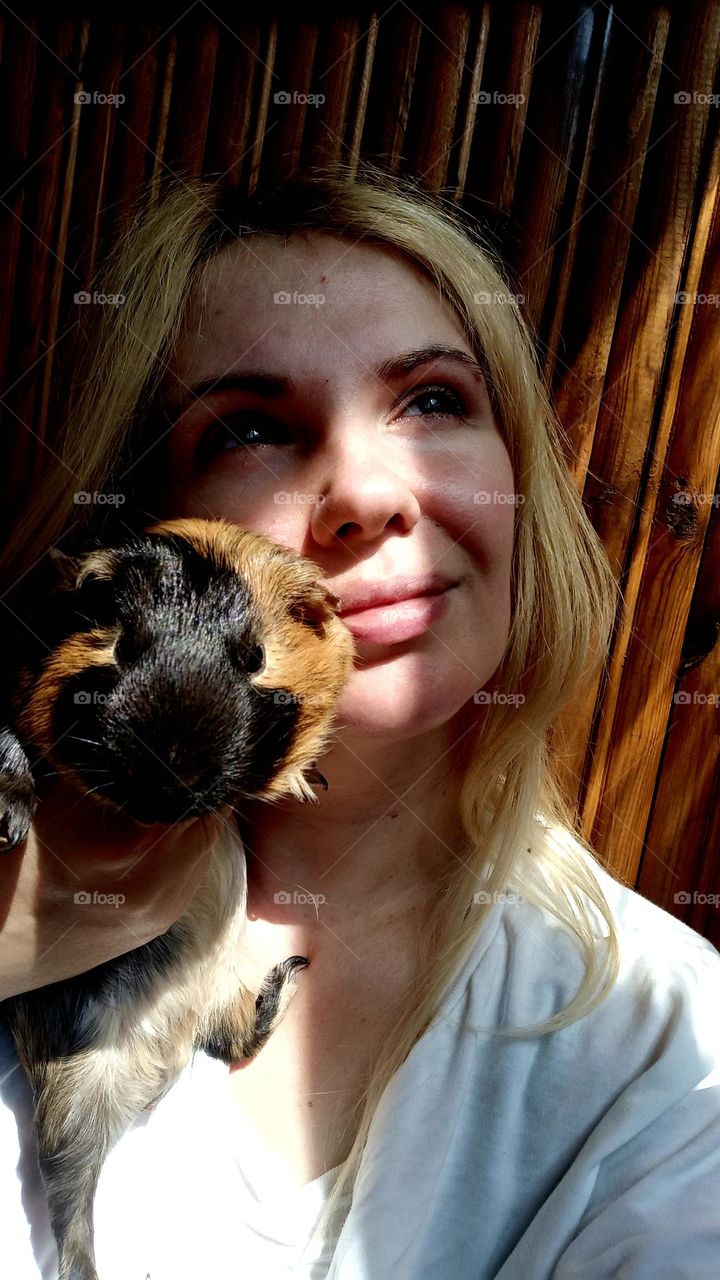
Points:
(272, 385)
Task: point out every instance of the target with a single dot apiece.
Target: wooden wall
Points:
(599, 184)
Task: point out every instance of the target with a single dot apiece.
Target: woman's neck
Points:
(383, 835)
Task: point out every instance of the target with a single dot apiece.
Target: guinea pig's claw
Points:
(15, 823)
(315, 776)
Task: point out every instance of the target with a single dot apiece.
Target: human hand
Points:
(90, 884)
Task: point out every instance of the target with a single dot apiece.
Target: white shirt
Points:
(590, 1153)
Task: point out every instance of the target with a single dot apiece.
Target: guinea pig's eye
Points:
(245, 657)
(256, 659)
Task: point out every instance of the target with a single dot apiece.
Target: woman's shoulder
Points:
(664, 1000)
(614, 1116)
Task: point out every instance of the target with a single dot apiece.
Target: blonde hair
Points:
(521, 830)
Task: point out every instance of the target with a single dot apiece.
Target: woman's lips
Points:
(400, 620)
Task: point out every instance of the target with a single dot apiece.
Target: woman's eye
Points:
(254, 431)
(443, 396)
(234, 433)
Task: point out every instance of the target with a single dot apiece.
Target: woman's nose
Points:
(360, 500)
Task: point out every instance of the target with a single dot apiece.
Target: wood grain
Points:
(558, 127)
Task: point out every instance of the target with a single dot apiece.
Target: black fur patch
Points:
(176, 728)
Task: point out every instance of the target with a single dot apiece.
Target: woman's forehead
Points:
(318, 255)
(314, 281)
(326, 302)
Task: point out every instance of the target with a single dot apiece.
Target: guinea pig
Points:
(189, 666)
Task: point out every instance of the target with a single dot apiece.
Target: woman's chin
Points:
(395, 707)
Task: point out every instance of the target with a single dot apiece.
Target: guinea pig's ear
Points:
(66, 568)
(314, 608)
(72, 570)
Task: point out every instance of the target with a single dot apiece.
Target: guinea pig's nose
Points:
(192, 777)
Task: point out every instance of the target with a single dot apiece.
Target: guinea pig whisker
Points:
(99, 787)
(65, 773)
(73, 737)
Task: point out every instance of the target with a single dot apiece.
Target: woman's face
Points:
(346, 448)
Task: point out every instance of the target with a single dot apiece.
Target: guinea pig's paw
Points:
(15, 821)
(316, 778)
(300, 785)
(277, 991)
(17, 792)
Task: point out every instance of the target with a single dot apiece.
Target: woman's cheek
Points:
(477, 511)
(273, 514)
(260, 502)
